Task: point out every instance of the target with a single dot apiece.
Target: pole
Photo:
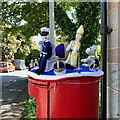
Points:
(51, 19)
(104, 59)
(51, 26)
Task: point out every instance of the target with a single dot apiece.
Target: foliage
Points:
(87, 14)
(33, 55)
(9, 47)
(30, 109)
(89, 17)
(36, 15)
(15, 47)
(20, 21)
(67, 28)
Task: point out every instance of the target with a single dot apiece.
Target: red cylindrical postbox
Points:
(67, 97)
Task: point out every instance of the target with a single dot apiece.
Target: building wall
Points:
(113, 60)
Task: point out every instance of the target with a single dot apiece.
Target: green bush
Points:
(30, 109)
(35, 54)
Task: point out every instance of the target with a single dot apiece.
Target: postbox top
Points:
(51, 76)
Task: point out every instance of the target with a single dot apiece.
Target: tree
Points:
(33, 55)
(85, 13)
(35, 16)
(67, 28)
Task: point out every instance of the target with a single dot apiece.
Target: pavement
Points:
(14, 95)
(14, 109)
(11, 111)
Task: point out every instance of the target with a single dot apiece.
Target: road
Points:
(12, 86)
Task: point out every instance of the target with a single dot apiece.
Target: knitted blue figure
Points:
(45, 50)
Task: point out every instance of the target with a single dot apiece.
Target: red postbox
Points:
(65, 97)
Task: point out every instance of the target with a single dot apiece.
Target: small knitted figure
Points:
(73, 49)
(91, 60)
(46, 52)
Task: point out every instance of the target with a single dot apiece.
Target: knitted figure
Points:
(60, 49)
(46, 52)
(59, 66)
(62, 40)
(73, 49)
(91, 60)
